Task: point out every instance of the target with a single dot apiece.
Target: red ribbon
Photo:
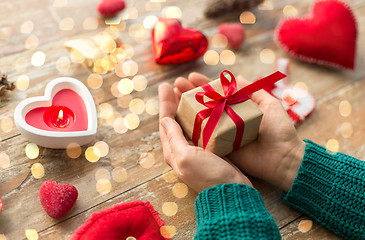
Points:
(219, 103)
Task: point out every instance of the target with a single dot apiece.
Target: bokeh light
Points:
(267, 56)
(266, 5)
(63, 64)
(4, 160)
(31, 42)
(171, 12)
(22, 83)
(170, 177)
(103, 148)
(60, 3)
(92, 154)
(105, 110)
(211, 57)
(31, 234)
(332, 146)
(119, 126)
(227, 57)
(149, 22)
(180, 190)
(147, 160)
(305, 226)
(27, 27)
(125, 86)
(137, 106)
(37, 170)
(168, 231)
(38, 59)
(119, 174)
(32, 150)
(139, 83)
(90, 23)
(66, 24)
(103, 186)
(152, 106)
(219, 41)
(73, 150)
(345, 108)
(102, 173)
(346, 130)
(94, 81)
(247, 17)
(290, 11)
(169, 208)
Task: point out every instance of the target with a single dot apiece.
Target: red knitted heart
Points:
(57, 199)
(133, 219)
(172, 43)
(234, 32)
(110, 7)
(326, 35)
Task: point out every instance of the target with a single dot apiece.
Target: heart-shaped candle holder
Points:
(65, 114)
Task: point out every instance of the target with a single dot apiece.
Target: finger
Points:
(168, 101)
(175, 136)
(167, 153)
(259, 97)
(183, 84)
(177, 93)
(198, 79)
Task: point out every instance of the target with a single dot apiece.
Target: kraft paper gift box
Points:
(223, 137)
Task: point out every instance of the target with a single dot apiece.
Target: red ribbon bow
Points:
(219, 103)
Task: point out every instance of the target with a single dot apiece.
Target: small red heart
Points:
(234, 32)
(57, 199)
(132, 219)
(173, 44)
(326, 35)
(1, 204)
(110, 7)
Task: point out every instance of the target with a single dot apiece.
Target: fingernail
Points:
(166, 122)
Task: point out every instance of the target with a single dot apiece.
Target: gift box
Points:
(221, 118)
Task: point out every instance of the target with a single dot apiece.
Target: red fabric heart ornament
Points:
(234, 32)
(326, 35)
(110, 7)
(133, 219)
(57, 199)
(1, 204)
(171, 43)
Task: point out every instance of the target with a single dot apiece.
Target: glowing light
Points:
(169, 208)
(180, 190)
(139, 83)
(227, 57)
(247, 17)
(147, 160)
(22, 83)
(168, 231)
(172, 12)
(90, 23)
(94, 81)
(152, 107)
(37, 170)
(346, 130)
(63, 64)
(125, 86)
(27, 27)
(31, 234)
(136, 106)
(31, 42)
(32, 150)
(4, 160)
(73, 150)
(66, 24)
(92, 154)
(219, 41)
(103, 186)
(103, 148)
(211, 57)
(332, 146)
(345, 108)
(102, 173)
(119, 174)
(38, 59)
(267, 56)
(305, 225)
(290, 11)
(170, 177)
(149, 22)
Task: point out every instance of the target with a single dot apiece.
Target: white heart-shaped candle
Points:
(65, 114)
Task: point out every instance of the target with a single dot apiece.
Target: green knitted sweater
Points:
(329, 187)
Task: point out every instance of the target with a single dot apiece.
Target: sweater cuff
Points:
(330, 187)
(233, 210)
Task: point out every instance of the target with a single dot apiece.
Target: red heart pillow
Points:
(133, 219)
(326, 35)
(171, 43)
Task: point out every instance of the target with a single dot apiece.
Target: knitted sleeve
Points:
(331, 189)
(233, 211)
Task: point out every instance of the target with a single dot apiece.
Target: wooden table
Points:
(138, 152)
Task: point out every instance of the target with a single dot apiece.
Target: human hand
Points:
(197, 168)
(277, 153)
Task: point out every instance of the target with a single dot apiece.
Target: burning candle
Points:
(66, 114)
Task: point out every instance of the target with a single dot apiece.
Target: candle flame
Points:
(60, 115)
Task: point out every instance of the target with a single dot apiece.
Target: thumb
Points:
(175, 135)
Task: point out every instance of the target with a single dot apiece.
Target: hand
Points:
(198, 168)
(277, 153)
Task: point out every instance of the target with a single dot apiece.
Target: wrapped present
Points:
(219, 118)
